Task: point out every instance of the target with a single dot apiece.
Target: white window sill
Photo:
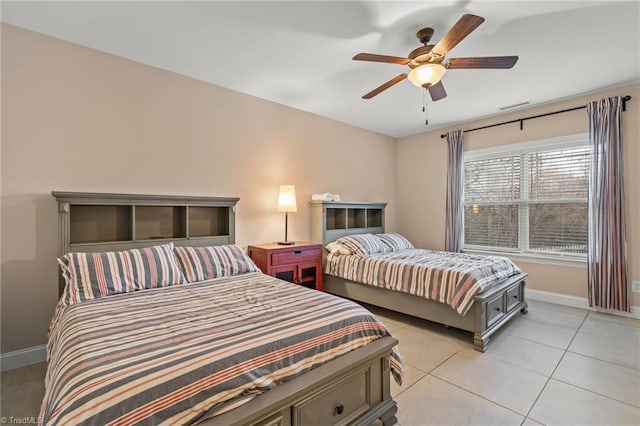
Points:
(547, 259)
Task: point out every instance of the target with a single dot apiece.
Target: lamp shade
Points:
(287, 199)
(426, 75)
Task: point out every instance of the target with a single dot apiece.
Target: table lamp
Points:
(286, 204)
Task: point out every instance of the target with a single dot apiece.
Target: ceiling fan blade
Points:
(482, 62)
(437, 91)
(457, 33)
(385, 86)
(380, 58)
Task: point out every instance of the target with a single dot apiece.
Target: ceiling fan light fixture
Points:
(426, 75)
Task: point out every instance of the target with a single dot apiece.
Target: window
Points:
(528, 198)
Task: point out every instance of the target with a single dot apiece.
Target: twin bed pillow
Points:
(94, 275)
(395, 241)
(367, 244)
(363, 244)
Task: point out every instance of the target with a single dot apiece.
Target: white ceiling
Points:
(298, 53)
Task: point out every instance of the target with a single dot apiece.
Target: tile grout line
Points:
(557, 365)
(597, 336)
(412, 385)
(587, 314)
(427, 373)
(479, 396)
(599, 394)
(519, 366)
(603, 360)
(534, 341)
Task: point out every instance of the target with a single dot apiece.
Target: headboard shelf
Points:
(104, 221)
(331, 220)
(115, 223)
(96, 222)
(208, 221)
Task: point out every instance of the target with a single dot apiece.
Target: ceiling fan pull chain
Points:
(424, 108)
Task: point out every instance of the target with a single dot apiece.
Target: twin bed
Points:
(188, 330)
(475, 293)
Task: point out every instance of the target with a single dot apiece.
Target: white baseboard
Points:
(576, 302)
(23, 357)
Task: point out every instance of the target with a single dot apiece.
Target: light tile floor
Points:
(556, 365)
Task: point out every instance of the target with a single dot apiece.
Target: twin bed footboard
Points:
(495, 307)
(491, 310)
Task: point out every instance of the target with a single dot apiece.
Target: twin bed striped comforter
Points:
(180, 354)
(450, 278)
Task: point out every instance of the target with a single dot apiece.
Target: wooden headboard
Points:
(331, 220)
(96, 222)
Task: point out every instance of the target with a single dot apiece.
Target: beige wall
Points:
(75, 119)
(422, 161)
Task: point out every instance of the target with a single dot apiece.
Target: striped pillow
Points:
(363, 244)
(205, 263)
(395, 241)
(94, 275)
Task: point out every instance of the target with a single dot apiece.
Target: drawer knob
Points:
(497, 309)
(297, 252)
(339, 409)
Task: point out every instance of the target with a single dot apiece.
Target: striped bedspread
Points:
(177, 355)
(450, 278)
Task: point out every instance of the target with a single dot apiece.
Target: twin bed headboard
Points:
(331, 220)
(96, 222)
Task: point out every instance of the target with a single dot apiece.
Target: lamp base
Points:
(286, 243)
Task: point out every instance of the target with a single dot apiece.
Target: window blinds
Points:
(491, 196)
(529, 200)
(558, 214)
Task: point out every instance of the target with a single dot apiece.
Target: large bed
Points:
(195, 334)
(480, 296)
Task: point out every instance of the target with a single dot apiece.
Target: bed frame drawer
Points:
(513, 298)
(338, 404)
(495, 310)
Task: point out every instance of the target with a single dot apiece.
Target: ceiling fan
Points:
(428, 63)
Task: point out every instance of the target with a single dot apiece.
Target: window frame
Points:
(523, 149)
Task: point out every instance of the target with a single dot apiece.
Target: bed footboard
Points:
(351, 389)
(491, 309)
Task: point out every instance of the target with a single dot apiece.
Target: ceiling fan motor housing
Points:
(423, 55)
(424, 35)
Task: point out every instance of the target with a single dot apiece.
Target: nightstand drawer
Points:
(295, 256)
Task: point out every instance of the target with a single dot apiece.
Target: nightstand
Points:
(300, 263)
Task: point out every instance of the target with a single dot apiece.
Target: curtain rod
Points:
(521, 120)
